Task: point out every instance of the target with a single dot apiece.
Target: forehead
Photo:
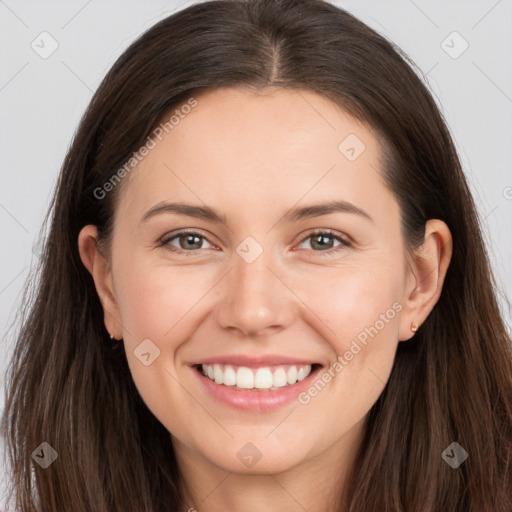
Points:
(246, 146)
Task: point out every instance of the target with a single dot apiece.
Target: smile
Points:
(251, 383)
(263, 378)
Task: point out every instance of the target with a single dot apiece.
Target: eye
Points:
(188, 242)
(323, 241)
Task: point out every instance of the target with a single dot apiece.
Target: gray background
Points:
(42, 100)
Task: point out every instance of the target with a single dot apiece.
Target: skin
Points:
(253, 156)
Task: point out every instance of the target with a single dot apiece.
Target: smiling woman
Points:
(281, 302)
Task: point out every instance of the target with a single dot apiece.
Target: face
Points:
(294, 286)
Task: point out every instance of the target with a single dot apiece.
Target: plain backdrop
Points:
(463, 47)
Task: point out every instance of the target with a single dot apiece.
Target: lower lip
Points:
(254, 400)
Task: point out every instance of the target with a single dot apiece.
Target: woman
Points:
(264, 286)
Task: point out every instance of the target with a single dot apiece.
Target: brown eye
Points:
(187, 242)
(324, 241)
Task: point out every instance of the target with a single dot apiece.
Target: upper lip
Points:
(244, 360)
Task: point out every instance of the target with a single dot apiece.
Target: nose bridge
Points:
(255, 298)
(251, 271)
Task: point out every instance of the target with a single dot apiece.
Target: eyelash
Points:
(164, 242)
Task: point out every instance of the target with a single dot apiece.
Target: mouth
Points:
(264, 378)
(255, 388)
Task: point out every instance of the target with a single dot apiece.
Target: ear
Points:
(99, 268)
(425, 276)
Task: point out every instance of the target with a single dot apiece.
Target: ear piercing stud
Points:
(414, 327)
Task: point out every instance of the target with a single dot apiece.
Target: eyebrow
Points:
(293, 215)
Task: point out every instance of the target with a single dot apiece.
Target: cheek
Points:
(366, 308)
(357, 313)
(154, 300)
(161, 304)
(155, 304)
(350, 300)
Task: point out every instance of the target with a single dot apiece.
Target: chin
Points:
(258, 457)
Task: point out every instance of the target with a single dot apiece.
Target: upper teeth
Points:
(260, 378)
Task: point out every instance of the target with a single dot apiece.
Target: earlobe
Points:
(98, 267)
(427, 274)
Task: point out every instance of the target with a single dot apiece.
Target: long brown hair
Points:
(67, 385)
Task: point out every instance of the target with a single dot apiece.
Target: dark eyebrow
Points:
(201, 212)
(207, 213)
(315, 210)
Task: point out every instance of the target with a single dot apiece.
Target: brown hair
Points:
(69, 387)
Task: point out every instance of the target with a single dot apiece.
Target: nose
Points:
(256, 300)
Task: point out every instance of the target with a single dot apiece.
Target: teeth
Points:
(217, 374)
(261, 378)
(291, 375)
(302, 373)
(279, 378)
(229, 376)
(244, 378)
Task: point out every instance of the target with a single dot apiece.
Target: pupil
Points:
(320, 240)
(190, 239)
